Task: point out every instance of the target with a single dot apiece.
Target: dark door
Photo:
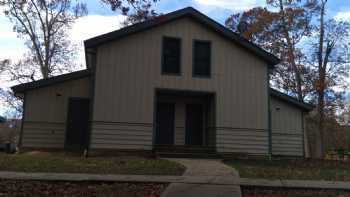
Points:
(77, 123)
(194, 124)
(165, 123)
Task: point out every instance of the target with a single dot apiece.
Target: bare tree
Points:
(43, 24)
(3, 65)
(135, 10)
(11, 105)
(330, 60)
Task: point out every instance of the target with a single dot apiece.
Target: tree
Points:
(330, 61)
(3, 65)
(43, 24)
(135, 10)
(318, 70)
(12, 104)
(280, 33)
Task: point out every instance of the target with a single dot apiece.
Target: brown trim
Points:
(45, 122)
(125, 123)
(243, 129)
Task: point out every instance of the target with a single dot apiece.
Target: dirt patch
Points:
(14, 188)
(279, 192)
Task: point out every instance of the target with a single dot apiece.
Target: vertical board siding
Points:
(129, 70)
(46, 113)
(287, 129)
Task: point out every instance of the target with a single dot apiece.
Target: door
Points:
(165, 119)
(194, 124)
(77, 124)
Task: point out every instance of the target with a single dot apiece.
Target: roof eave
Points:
(22, 88)
(306, 107)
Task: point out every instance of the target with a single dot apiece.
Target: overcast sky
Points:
(101, 20)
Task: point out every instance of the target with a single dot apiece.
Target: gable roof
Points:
(186, 12)
(291, 100)
(50, 81)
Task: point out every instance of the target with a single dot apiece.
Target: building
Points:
(178, 80)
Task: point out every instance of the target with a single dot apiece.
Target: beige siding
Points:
(113, 135)
(46, 113)
(129, 70)
(287, 129)
(242, 140)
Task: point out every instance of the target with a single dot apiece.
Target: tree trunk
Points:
(320, 150)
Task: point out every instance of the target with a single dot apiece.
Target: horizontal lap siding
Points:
(110, 135)
(43, 135)
(249, 141)
(287, 129)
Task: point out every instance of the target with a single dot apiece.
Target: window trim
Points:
(193, 58)
(180, 57)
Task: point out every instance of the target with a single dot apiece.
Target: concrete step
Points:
(184, 149)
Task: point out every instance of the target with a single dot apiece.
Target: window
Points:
(201, 58)
(171, 55)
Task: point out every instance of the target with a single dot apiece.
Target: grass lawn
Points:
(60, 162)
(293, 169)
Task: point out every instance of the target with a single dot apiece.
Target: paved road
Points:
(224, 180)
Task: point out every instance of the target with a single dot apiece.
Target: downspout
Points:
(303, 132)
(20, 140)
(269, 116)
(92, 68)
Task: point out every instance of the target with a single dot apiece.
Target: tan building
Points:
(179, 80)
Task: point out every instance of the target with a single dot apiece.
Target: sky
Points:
(102, 20)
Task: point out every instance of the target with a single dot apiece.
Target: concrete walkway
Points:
(224, 180)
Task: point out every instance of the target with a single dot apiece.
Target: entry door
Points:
(194, 124)
(165, 123)
(77, 123)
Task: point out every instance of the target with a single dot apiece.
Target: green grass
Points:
(61, 163)
(293, 169)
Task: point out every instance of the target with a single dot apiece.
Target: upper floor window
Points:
(201, 58)
(171, 59)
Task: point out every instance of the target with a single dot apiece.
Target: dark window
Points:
(171, 55)
(201, 58)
